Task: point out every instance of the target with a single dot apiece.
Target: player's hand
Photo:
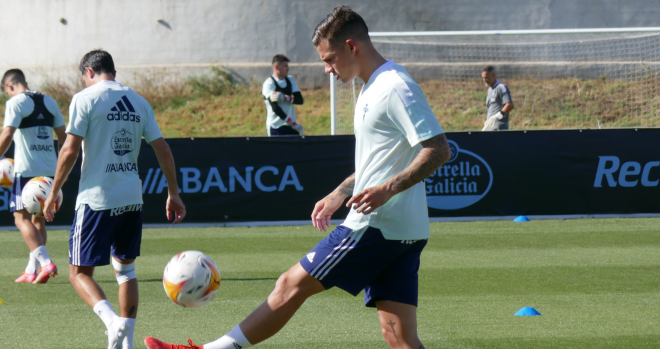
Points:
(276, 97)
(52, 198)
(299, 128)
(370, 199)
(324, 209)
(175, 209)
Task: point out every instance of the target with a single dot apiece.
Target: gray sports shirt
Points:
(496, 98)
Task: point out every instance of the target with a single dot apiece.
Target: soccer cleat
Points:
(116, 333)
(25, 277)
(153, 343)
(46, 272)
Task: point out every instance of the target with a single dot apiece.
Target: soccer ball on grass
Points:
(191, 279)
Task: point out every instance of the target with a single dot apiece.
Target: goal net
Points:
(589, 78)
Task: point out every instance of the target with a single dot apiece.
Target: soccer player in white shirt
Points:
(109, 120)
(30, 118)
(377, 248)
(280, 93)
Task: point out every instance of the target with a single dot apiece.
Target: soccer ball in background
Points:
(7, 173)
(191, 279)
(35, 193)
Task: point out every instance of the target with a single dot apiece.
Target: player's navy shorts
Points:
(283, 131)
(95, 233)
(356, 260)
(16, 203)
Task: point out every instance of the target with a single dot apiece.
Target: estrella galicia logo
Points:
(465, 179)
(42, 132)
(122, 142)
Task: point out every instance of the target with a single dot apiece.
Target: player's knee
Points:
(72, 278)
(125, 272)
(286, 289)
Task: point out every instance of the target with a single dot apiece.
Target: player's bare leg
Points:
(128, 294)
(291, 290)
(40, 224)
(35, 242)
(82, 279)
(398, 322)
(31, 234)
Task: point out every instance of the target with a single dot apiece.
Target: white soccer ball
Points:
(7, 173)
(36, 192)
(191, 279)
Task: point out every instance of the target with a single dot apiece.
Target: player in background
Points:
(399, 143)
(109, 120)
(498, 101)
(280, 93)
(30, 118)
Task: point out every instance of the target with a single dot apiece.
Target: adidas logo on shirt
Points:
(123, 111)
(40, 117)
(310, 257)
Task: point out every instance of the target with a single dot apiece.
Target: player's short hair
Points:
(15, 76)
(279, 58)
(488, 69)
(99, 61)
(342, 24)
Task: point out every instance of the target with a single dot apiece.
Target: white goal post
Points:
(558, 78)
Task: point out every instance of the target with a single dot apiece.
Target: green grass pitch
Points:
(596, 282)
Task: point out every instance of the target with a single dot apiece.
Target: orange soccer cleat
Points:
(153, 343)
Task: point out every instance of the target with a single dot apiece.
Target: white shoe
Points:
(116, 333)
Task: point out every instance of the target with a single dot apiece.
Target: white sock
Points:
(105, 312)
(128, 340)
(235, 339)
(41, 254)
(32, 265)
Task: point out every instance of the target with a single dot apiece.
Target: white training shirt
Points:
(113, 119)
(272, 120)
(34, 150)
(392, 117)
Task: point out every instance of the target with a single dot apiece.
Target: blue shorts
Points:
(16, 204)
(95, 233)
(283, 131)
(364, 260)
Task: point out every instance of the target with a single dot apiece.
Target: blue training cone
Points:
(521, 219)
(527, 311)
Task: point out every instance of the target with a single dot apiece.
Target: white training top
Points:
(113, 119)
(34, 150)
(272, 120)
(392, 117)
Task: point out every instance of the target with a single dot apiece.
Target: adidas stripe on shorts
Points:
(356, 260)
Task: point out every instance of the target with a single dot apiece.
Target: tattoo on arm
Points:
(131, 311)
(392, 323)
(434, 153)
(346, 187)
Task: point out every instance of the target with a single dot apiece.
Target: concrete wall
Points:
(48, 37)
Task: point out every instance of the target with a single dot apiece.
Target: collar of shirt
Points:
(385, 65)
(496, 83)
